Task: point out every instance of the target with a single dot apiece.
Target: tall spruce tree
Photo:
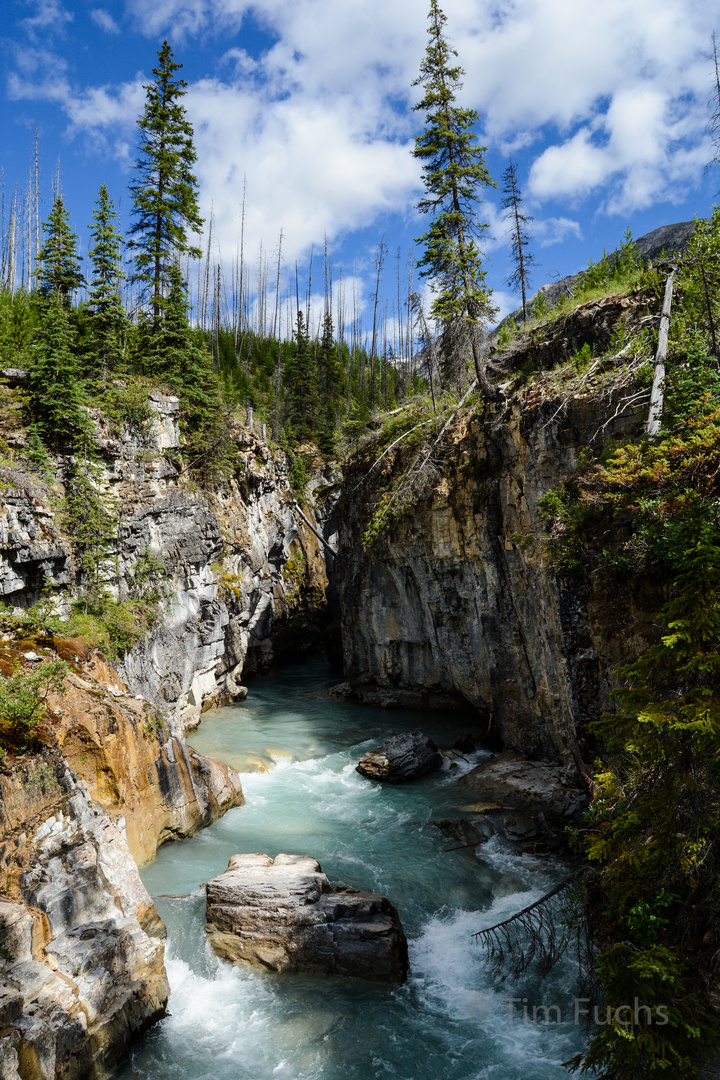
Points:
(454, 171)
(330, 379)
(58, 268)
(522, 258)
(107, 320)
(300, 386)
(54, 376)
(165, 194)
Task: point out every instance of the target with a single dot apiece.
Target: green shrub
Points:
(22, 699)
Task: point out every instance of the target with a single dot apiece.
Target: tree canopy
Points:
(454, 173)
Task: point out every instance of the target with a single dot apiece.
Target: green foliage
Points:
(699, 281)
(298, 475)
(18, 320)
(22, 699)
(91, 526)
(508, 333)
(301, 387)
(165, 199)
(613, 270)
(58, 273)
(107, 320)
(562, 513)
(54, 376)
(454, 172)
(644, 920)
(126, 405)
(654, 1024)
(653, 828)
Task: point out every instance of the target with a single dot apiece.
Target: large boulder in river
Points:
(285, 915)
(402, 758)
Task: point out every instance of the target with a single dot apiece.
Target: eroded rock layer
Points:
(81, 968)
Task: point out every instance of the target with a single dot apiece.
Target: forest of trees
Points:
(154, 307)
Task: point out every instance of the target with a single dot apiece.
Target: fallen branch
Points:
(533, 934)
(311, 526)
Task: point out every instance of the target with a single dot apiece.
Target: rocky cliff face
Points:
(82, 969)
(458, 598)
(246, 576)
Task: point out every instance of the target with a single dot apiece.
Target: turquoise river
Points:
(449, 1021)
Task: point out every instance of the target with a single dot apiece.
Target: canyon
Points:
(457, 606)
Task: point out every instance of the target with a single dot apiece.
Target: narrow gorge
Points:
(457, 607)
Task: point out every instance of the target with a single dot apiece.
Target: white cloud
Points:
(39, 75)
(104, 20)
(49, 16)
(555, 230)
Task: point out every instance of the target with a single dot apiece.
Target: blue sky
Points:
(603, 106)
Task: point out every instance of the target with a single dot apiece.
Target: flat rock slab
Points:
(402, 758)
(284, 915)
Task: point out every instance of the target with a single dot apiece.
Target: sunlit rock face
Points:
(82, 970)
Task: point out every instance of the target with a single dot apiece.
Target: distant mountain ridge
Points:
(666, 240)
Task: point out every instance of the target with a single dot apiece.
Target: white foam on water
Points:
(240, 1024)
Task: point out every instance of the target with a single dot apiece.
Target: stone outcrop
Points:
(132, 762)
(81, 968)
(530, 800)
(284, 915)
(246, 577)
(459, 596)
(401, 758)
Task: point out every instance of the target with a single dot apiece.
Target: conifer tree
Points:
(107, 320)
(522, 258)
(454, 171)
(165, 196)
(180, 356)
(330, 377)
(58, 271)
(54, 377)
(300, 385)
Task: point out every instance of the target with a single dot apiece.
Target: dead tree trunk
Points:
(657, 394)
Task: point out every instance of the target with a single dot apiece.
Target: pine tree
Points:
(58, 271)
(54, 376)
(165, 196)
(179, 355)
(454, 169)
(107, 321)
(300, 386)
(330, 378)
(522, 258)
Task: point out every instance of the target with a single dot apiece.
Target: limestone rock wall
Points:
(246, 576)
(133, 764)
(459, 598)
(81, 957)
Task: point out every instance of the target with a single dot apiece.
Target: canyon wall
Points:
(458, 603)
(244, 581)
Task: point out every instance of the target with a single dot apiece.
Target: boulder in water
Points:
(284, 915)
(402, 758)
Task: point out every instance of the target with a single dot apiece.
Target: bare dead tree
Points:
(522, 258)
(714, 103)
(541, 934)
(378, 260)
(657, 394)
